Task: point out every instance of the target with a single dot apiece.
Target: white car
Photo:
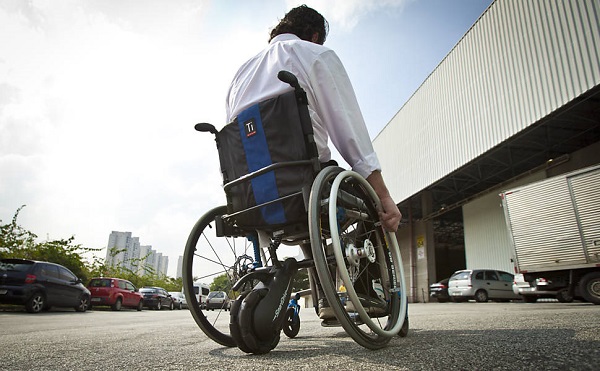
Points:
(532, 289)
(178, 299)
(217, 300)
(481, 285)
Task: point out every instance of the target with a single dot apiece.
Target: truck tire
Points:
(590, 287)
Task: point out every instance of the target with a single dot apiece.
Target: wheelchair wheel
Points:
(206, 257)
(349, 245)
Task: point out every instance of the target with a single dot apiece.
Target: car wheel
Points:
(117, 305)
(171, 305)
(140, 306)
(35, 303)
(84, 303)
(179, 306)
(159, 305)
(481, 296)
(530, 298)
(563, 296)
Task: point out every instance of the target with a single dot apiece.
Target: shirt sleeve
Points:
(340, 113)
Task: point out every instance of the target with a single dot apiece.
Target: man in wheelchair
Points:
(282, 107)
(296, 45)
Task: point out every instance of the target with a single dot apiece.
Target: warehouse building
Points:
(516, 100)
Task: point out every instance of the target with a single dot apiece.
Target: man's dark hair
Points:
(302, 22)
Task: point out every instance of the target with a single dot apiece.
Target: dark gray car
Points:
(40, 285)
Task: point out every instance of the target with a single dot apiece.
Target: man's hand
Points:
(390, 215)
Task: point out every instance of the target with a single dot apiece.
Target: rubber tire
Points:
(171, 305)
(84, 304)
(140, 306)
(117, 305)
(159, 305)
(320, 191)
(246, 315)
(481, 296)
(234, 326)
(589, 286)
(405, 327)
(196, 248)
(563, 296)
(291, 326)
(35, 303)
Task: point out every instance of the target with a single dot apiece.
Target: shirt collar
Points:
(284, 37)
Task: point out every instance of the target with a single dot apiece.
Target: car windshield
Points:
(215, 294)
(148, 290)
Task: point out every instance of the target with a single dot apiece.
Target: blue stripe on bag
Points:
(255, 146)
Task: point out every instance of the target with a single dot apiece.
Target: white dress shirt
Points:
(332, 103)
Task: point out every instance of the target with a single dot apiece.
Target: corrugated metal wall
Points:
(520, 61)
(487, 241)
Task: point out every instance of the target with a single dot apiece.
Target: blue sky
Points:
(98, 100)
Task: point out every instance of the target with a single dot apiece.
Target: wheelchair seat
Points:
(268, 162)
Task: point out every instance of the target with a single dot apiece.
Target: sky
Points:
(98, 99)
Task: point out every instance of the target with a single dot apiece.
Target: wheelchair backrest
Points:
(268, 160)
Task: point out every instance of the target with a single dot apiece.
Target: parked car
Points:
(178, 299)
(217, 300)
(40, 285)
(116, 293)
(157, 298)
(532, 288)
(439, 291)
(481, 285)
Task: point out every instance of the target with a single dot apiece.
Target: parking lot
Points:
(463, 336)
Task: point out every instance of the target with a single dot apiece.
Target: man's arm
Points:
(390, 215)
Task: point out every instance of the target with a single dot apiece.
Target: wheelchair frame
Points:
(346, 240)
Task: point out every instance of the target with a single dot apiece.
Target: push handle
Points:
(205, 127)
(288, 78)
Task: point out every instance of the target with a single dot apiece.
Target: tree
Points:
(17, 242)
(221, 283)
(301, 281)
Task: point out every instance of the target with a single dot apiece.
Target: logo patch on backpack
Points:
(250, 128)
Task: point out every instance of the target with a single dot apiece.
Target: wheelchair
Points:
(279, 194)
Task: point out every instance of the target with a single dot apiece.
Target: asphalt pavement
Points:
(449, 336)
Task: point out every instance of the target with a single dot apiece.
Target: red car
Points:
(116, 293)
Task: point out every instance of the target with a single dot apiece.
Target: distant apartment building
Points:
(179, 267)
(125, 251)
